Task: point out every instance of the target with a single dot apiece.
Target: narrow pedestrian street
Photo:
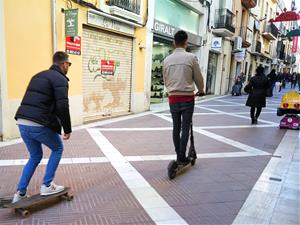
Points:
(117, 170)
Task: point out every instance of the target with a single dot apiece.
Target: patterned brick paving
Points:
(100, 197)
(160, 144)
(212, 192)
(266, 139)
(80, 145)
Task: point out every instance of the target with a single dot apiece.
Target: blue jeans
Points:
(182, 114)
(33, 138)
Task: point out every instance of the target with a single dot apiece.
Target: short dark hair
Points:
(260, 70)
(60, 57)
(180, 37)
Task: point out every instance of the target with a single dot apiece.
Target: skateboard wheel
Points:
(70, 197)
(25, 213)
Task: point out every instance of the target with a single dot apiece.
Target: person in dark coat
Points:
(272, 79)
(43, 112)
(257, 88)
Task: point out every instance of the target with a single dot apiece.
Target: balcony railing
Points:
(133, 6)
(270, 32)
(224, 19)
(249, 3)
(247, 37)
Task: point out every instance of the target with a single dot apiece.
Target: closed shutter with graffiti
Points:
(107, 61)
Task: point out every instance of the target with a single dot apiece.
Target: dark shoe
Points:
(252, 121)
(255, 121)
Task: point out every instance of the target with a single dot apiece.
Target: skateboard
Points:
(174, 168)
(22, 206)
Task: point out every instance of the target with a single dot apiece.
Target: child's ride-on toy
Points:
(290, 107)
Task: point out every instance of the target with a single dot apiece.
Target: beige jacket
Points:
(180, 72)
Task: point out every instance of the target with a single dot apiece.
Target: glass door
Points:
(211, 73)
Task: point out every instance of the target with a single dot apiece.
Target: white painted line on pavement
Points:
(63, 161)
(231, 142)
(171, 128)
(225, 140)
(233, 114)
(92, 160)
(217, 114)
(155, 206)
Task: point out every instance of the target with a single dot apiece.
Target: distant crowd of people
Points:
(281, 80)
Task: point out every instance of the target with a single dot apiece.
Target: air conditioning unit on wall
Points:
(237, 45)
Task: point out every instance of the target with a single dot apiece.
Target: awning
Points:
(293, 33)
(286, 16)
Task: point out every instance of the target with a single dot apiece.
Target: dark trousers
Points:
(255, 112)
(182, 114)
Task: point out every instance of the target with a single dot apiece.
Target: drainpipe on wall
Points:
(53, 4)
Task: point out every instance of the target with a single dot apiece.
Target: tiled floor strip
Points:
(278, 186)
(156, 207)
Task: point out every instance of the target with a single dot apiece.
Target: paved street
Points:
(117, 170)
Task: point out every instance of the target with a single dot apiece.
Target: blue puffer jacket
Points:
(46, 100)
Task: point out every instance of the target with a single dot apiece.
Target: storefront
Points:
(107, 67)
(164, 27)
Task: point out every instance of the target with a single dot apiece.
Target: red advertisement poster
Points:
(107, 67)
(295, 45)
(73, 45)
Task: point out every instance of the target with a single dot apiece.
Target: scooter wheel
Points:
(172, 169)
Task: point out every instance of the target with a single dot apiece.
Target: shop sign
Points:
(71, 22)
(169, 31)
(107, 67)
(110, 24)
(240, 56)
(216, 44)
(73, 45)
(295, 45)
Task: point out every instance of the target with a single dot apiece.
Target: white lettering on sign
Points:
(108, 23)
(164, 28)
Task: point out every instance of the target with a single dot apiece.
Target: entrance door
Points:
(211, 73)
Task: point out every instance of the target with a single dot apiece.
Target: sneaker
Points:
(17, 197)
(52, 189)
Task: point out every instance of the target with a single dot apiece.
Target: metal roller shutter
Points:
(107, 75)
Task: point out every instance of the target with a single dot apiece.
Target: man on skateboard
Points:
(44, 110)
(180, 72)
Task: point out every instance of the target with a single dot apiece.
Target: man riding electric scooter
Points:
(180, 72)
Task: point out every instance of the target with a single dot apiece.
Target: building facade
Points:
(107, 54)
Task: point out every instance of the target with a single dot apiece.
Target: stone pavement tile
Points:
(205, 214)
(216, 102)
(80, 145)
(271, 117)
(131, 143)
(143, 121)
(100, 197)
(284, 218)
(236, 109)
(265, 139)
(208, 184)
(219, 120)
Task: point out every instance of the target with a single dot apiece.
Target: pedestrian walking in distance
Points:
(180, 72)
(43, 112)
(257, 90)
